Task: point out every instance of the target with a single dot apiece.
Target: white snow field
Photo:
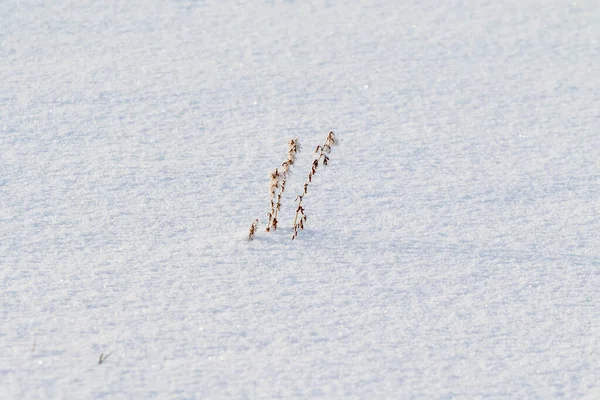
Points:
(452, 244)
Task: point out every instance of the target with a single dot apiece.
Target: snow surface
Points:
(451, 248)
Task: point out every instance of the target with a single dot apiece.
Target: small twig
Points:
(33, 347)
(103, 357)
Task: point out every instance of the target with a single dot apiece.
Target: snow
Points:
(451, 248)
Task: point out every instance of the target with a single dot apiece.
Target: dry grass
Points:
(322, 158)
(253, 229)
(278, 180)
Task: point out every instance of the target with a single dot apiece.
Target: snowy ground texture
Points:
(452, 247)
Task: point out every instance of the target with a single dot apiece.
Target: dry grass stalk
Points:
(253, 229)
(278, 181)
(103, 357)
(322, 158)
(273, 186)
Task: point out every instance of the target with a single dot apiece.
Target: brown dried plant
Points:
(278, 181)
(253, 229)
(322, 157)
